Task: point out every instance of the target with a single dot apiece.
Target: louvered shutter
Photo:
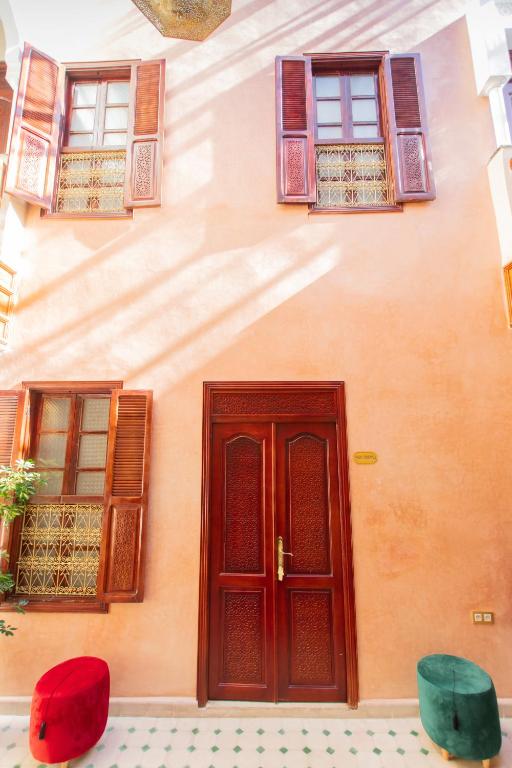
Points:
(407, 119)
(13, 413)
(121, 573)
(36, 126)
(296, 182)
(144, 151)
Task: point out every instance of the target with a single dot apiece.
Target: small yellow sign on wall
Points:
(365, 457)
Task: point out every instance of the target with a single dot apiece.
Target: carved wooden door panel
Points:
(241, 645)
(275, 640)
(310, 632)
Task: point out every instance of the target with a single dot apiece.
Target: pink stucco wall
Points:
(221, 283)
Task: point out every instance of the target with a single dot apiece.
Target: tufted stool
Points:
(458, 707)
(69, 709)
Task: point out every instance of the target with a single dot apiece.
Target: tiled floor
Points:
(251, 743)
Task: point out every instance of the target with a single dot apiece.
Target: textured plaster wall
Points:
(222, 283)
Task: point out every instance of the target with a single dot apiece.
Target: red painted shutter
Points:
(408, 128)
(13, 404)
(13, 413)
(296, 181)
(121, 573)
(36, 127)
(144, 155)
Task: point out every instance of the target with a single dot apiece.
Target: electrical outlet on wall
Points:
(482, 617)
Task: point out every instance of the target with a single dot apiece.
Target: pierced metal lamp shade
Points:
(186, 19)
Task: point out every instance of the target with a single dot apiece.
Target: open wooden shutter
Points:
(13, 418)
(121, 572)
(144, 151)
(296, 180)
(408, 128)
(36, 126)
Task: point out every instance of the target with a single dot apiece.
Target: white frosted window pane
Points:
(118, 93)
(116, 117)
(364, 110)
(90, 483)
(80, 140)
(328, 111)
(329, 132)
(85, 94)
(93, 451)
(82, 119)
(53, 485)
(327, 86)
(362, 85)
(365, 131)
(114, 139)
(55, 413)
(52, 450)
(95, 414)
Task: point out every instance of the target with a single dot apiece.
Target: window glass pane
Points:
(116, 117)
(327, 86)
(328, 111)
(364, 110)
(366, 131)
(84, 94)
(118, 93)
(55, 413)
(92, 451)
(80, 140)
(95, 414)
(53, 485)
(82, 119)
(329, 132)
(362, 85)
(114, 139)
(90, 483)
(4, 302)
(52, 450)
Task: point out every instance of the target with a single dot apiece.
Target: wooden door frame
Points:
(329, 390)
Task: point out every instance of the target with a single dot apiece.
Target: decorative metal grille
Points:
(91, 182)
(59, 551)
(351, 176)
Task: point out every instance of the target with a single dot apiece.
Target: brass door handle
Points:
(280, 558)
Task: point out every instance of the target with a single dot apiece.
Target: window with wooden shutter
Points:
(126, 498)
(351, 132)
(35, 133)
(80, 543)
(408, 128)
(104, 157)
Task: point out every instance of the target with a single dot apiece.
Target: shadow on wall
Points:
(170, 290)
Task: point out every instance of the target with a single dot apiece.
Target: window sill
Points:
(50, 215)
(51, 604)
(368, 209)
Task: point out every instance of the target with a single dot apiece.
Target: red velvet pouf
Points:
(69, 709)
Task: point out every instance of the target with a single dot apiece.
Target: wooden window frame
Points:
(100, 106)
(9, 290)
(52, 603)
(354, 63)
(347, 122)
(88, 72)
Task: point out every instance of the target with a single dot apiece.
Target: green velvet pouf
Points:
(458, 706)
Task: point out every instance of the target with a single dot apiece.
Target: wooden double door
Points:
(275, 634)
